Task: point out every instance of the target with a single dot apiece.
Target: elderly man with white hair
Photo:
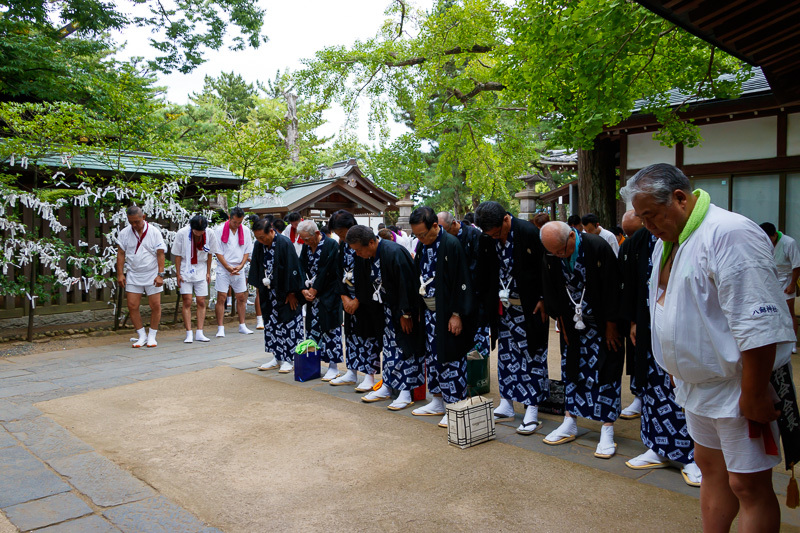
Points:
(663, 424)
(318, 259)
(720, 328)
(582, 291)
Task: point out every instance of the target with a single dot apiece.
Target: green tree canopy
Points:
(182, 29)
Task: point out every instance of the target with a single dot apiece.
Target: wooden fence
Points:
(82, 225)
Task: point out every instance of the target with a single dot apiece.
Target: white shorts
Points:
(149, 290)
(225, 281)
(200, 288)
(743, 455)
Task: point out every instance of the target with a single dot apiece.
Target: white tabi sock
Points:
(333, 371)
(635, 408)
(229, 301)
(569, 427)
(383, 392)
(189, 337)
(367, 383)
(259, 322)
(606, 444)
(348, 377)
(200, 337)
(244, 330)
(403, 400)
(505, 409)
(647, 458)
(531, 414)
(220, 331)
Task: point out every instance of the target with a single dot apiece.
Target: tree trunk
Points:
(597, 183)
(31, 308)
(118, 307)
(292, 128)
(561, 212)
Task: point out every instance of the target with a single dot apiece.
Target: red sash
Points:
(140, 239)
(196, 245)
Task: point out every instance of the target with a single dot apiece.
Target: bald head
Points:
(631, 223)
(555, 236)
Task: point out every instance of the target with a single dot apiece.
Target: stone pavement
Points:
(51, 481)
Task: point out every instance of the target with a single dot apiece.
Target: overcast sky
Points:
(296, 29)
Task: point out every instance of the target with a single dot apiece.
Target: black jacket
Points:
(325, 283)
(470, 240)
(286, 276)
(401, 282)
(369, 315)
(602, 291)
(527, 270)
(453, 295)
(634, 258)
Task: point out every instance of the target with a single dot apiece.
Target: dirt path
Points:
(247, 453)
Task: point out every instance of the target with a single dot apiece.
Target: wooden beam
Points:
(772, 165)
(782, 135)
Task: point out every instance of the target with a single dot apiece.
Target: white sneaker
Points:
(198, 336)
(272, 364)
(221, 331)
(141, 340)
(443, 422)
(259, 322)
(151, 339)
(244, 330)
(286, 367)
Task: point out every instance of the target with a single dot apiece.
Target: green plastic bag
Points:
(478, 377)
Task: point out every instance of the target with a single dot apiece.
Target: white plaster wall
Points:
(643, 150)
(735, 141)
(793, 134)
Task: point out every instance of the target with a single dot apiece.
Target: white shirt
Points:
(406, 242)
(787, 258)
(142, 265)
(287, 232)
(610, 238)
(231, 251)
(183, 247)
(722, 298)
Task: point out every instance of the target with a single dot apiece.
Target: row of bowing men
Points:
(412, 317)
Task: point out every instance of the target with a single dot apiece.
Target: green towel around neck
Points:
(695, 219)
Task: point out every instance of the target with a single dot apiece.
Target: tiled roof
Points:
(141, 163)
(756, 84)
